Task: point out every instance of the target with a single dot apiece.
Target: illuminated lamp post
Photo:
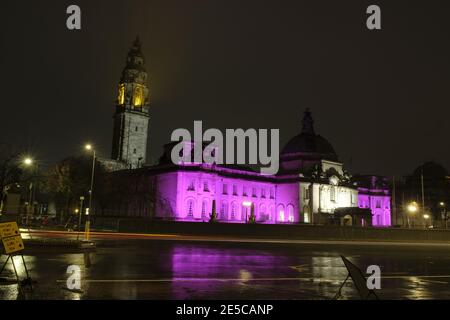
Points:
(426, 217)
(89, 147)
(412, 209)
(28, 162)
(444, 213)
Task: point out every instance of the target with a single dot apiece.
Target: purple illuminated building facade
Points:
(310, 185)
(373, 193)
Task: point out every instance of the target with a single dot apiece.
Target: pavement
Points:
(163, 266)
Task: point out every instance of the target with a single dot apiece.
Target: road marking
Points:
(251, 279)
(198, 280)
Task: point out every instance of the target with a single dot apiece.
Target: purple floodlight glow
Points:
(189, 191)
(378, 201)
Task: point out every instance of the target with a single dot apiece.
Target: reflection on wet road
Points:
(149, 269)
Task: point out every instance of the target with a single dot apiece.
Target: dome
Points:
(309, 142)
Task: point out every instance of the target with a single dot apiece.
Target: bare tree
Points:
(10, 170)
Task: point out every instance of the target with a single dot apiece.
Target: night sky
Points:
(381, 98)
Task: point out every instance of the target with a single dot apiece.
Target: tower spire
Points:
(132, 110)
(307, 123)
(137, 41)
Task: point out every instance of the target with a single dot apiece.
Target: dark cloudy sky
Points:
(382, 98)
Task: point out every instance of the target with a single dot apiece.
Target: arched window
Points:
(290, 213)
(121, 97)
(280, 213)
(204, 208)
(190, 207)
(262, 213)
(233, 211)
(224, 211)
(138, 96)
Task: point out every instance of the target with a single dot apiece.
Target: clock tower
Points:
(131, 117)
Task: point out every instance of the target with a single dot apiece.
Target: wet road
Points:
(155, 269)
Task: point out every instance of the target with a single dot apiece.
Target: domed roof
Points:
(309, 142)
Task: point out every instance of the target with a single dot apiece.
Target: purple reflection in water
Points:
(203, 272)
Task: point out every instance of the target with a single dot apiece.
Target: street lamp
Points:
(426, 217)
(89, 147)
(444, 213)
(412, 209)
(28, 162)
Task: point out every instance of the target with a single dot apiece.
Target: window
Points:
(244, 191)
(121, 97)
(190, 209)
(353, 198)
(280, 211)
(378, 203)
(306, 217)
(271, 193)
(205, 186)
(254, 192)
(333, 194)
(138, 98)
(204, 206)
(235, 191)
(290, 212)
(306, 193)
(191, 186)
(225, 189)
(137, 129)
(224, 211)
(262, 213)
(263, 193)
(233, 211)
(134, 150)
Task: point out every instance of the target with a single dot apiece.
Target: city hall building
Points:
(311, 185)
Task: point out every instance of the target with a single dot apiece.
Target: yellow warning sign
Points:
(9, 229)
(13, 244)
(11, 238)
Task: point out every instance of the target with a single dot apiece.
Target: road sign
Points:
(11, 238)
(13, 244)
(9, 229)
